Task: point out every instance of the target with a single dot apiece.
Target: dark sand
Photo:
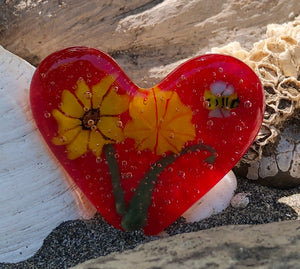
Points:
(74, 242)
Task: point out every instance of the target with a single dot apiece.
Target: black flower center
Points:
(90, 119)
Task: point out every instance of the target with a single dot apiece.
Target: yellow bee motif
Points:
(221, 99)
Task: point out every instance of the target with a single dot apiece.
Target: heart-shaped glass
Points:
(144, 156)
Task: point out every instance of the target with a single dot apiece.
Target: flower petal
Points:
(177, 128)
(79, 145)
(65, 123)
(83, 93)
(180, 125)
(143, 112)
(111, 128)
(114, 103)
(137, 129)
(164, 145)
(161, 98)
(143, 127)
(177, 109)
(145, 137)
(160, 122)
(100, 89)
(167, 140)
(96, 143)
(178, 131)
(66, 137)
(70, 106)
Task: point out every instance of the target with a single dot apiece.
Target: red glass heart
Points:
(144, 156)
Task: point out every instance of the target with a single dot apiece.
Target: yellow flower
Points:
(88, 118)
(160, 122)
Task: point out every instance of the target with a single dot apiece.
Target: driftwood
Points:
(142, 35)
(35, 194)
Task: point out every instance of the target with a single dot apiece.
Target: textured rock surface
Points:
(263, 246)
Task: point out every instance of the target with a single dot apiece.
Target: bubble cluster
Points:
(238, 128)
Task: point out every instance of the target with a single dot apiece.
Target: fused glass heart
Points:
(144, 156)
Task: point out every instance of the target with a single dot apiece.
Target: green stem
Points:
(118, 192)
(136, 216)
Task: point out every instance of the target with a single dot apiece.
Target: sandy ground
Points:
(74, 242)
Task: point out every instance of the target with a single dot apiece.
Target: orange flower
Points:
(88, 119)
(160, 122)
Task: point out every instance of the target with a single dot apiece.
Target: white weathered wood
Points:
(35, 196)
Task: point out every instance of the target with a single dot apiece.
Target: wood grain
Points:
(139, 34)
(35, 193)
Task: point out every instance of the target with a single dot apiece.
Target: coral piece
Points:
(276, 60)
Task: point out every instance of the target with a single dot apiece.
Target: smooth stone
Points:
(214, 201)
(274, 245)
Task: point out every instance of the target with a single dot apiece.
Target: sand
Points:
(74, 242)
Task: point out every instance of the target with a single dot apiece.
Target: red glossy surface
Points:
(229, 131)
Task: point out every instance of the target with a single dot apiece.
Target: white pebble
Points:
(240, 200)
(214, 201)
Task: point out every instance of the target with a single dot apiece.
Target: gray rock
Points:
(274, 245)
